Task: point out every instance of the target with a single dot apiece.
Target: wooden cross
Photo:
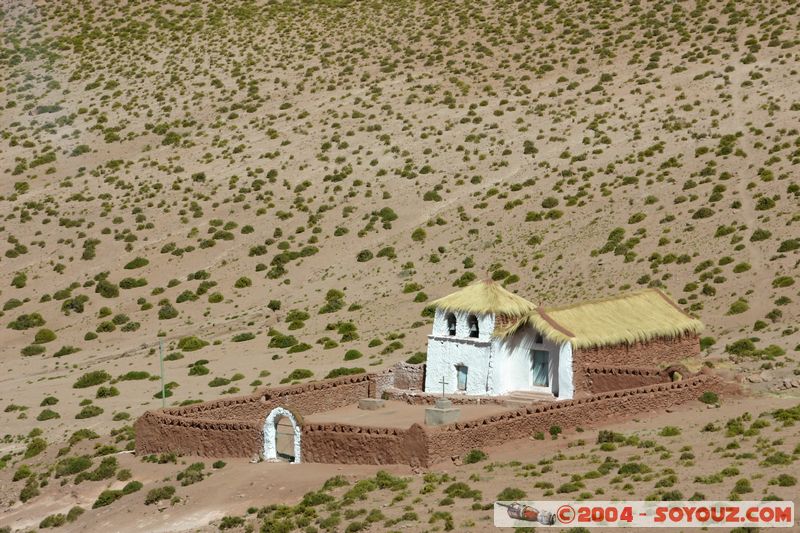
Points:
(443, 382)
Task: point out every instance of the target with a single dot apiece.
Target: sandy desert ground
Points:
(274, 191)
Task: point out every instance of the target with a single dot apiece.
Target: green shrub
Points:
(131, 487)
(107, 497)
(47, 414)
(137, 262)
(241, 337)
(192, 474)
(35, 447)
(297, 374)
(32, 349)
(161, 493)
(89, 411)
(510, 493)
(243, 282)
(90, 379)
(134, 375)
(33, 320)
(44, 335)
(72, 465)
(343, 371)
(474, 456)
(53, 520)
(669, 431)
(74, 513)
(351, 355)
(709, 397)
(190, 344)
(66, 350)
(219, 382)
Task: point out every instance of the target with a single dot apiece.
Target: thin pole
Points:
(161, 358)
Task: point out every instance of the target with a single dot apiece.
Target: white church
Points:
(488, 341)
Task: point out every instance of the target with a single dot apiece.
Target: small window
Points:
(539, 339)
(472, 322)
(451, 324)
(461, 377)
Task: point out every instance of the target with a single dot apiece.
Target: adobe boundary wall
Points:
(651, 354)
(611, 378)
(233, 427)
(191, 431)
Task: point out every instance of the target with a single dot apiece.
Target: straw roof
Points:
(485, 297)
(625, 319)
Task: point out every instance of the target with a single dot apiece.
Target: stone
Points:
(371, 404)
(446, 414)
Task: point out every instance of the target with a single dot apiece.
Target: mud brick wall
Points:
(159, 432)
(610, 378)
(657, 352)
(457, 439)
(348, 444)
(305, 399)
(425, 398)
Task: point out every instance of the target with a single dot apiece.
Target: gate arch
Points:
(270, 434)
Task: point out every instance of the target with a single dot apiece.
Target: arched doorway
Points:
(275, 436)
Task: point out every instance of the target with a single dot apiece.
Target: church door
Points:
(540, 369)
(461, 372)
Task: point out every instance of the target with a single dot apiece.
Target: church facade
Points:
(487, 341)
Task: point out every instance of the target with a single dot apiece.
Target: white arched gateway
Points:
(270, 434)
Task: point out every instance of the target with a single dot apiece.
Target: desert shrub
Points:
(53, 520)
(107, 497)
(190, 344)
(66, 350)
(89, 411)
(32, 349)
(90, 379)
(241, 337)
(709, 397)
(669, 431)
(510, 493)
(243, 282)
(215, 297)
(363, 256)
(131, 487)
(343, 371)
(107, 392)
(192, 474)
(474, 456)
(418, 235)
(417, 358)
(35, 447)
(298, 373)
(106, 289)
(44, 335)
(350, 355)
(48, 400)
(29, 491)
(229, 522)
(72, 465)
(75, 513)
(134, 375)
(167, 312)
(47, 414)
(137, 262)
(219, 382)
(161, 493)
(27, 321)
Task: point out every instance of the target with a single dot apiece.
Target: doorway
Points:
(540, 368)
(281, 436)
(461, 377)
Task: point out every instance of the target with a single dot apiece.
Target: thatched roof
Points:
(625, 319)
(485, 297)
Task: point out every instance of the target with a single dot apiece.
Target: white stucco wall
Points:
(566, 387)
(270, 434)
(445, 352)
(496, 366)
(512, 364)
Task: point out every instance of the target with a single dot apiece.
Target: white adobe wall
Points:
(445, 352)
(512, 360)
